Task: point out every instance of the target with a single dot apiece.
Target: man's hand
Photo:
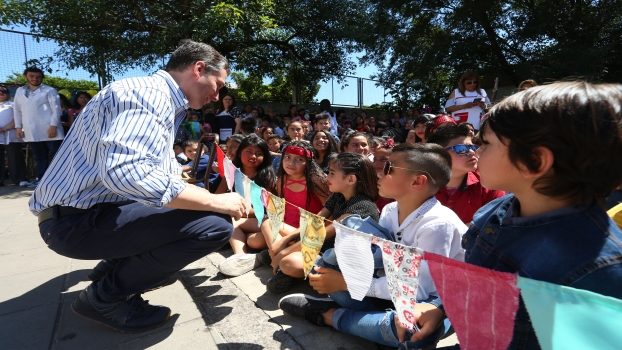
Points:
(20, 133)
(327, 280)
(229, 203)
(52, 132)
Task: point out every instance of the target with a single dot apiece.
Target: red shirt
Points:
(468, 198)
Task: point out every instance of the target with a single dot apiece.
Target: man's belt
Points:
(58, 211)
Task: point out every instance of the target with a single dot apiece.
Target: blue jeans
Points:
(147, 244)
(379, 327)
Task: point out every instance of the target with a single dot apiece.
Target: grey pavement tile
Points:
(28, 329)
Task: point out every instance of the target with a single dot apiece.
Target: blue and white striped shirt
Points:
(119, 148)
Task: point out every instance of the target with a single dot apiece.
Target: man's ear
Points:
(197, 69)
(544, 158)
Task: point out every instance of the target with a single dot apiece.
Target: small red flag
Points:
(220, 155)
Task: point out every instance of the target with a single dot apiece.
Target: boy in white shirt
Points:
(412, 176)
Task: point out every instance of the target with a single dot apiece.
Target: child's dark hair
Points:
(429, 158)
(447, 132)
(248, 125)
(315, 177)
(345, 140)
(236, 138)
(420, 120)
(362, 168)
(274, 136)
(188, 143)
(265, 174)
(579, 122)
(332, 146)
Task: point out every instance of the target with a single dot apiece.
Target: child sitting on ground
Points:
(558, 149)
(411, 176)
(464, 193)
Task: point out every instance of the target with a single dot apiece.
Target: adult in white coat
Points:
(37, 118)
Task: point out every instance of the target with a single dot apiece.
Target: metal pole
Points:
(332, 91)
(25, 52)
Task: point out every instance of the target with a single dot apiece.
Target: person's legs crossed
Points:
(149, 244)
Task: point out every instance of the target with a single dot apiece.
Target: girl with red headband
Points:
(303, 184)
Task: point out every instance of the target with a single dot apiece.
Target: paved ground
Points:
(37, 287)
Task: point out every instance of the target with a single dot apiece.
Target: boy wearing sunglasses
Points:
(411, 176)
(464, 193)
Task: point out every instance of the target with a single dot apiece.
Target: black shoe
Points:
(308, 307)
(132, 315)
(264, 258)
(281, 283)
(101, 269)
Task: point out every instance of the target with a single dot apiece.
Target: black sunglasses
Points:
(462, 149)
(387, 170)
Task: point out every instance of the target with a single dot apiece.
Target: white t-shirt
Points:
(438, 230)
(6, 117)
(472, 115)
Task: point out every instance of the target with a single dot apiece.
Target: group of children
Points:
(524, 196)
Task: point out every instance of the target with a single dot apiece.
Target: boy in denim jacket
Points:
(558, 149)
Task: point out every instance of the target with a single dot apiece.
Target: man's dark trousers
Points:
(147, 244)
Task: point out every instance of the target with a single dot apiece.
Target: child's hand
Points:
(429, 318)
(326, 280)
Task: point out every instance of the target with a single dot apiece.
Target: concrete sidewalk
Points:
(37, 287)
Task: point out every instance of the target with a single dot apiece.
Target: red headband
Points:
(298, 151)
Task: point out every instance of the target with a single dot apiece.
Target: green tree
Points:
(259, 36)
(57, 82)
(252, 88)
(423, 46)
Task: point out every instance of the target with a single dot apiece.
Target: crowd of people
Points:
(516, 187)
(427, 179)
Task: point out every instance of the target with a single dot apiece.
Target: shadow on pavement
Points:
(42, 318)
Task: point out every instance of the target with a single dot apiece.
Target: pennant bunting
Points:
(569, 318)
(480, 303)
(247, 193)
(238, 182)
(220, 156)
(401, 266)
(312, 235)
(355, 259)
(229, 173)
(265, 197)
(255, 194)
(276, 213)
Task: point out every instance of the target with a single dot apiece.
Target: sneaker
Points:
(132, 315)
(23, 183)
(307, 306)
(264, 258)
(238, 264)
(281, 283)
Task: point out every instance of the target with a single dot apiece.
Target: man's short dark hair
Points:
(579, 122)
(320, 116)
(447, 132)
(189, 52)
(34, 70)
(248, 125)
(430, 158)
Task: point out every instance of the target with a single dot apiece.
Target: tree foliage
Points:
(259, 36)
(57, 82)
(252, 88)
(423, 46)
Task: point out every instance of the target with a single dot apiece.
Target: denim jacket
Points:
(577, 246)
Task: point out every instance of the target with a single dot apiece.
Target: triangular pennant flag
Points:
(229, 173)
(265, 197)
(247, 193)
(312, 235)
(276, 213)
(220, 156)
(480, 303)
(239, 182)
(256, 202)
(356, 262)
(401, 266)
(569, 318)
